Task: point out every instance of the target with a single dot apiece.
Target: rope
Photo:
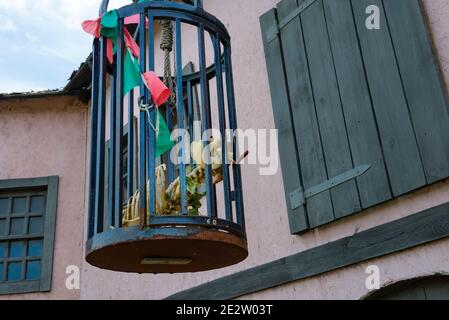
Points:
(146, 108)
(167, 47)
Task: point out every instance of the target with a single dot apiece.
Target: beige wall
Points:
(45, 137)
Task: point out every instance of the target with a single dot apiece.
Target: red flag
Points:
(135, 19)
(110, 50)
(159, 91)
(131, 43)
(92, 27)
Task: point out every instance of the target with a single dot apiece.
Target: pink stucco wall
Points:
(46, 137)
(42, 137)
(267, 225)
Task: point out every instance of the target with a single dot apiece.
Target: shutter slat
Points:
(328, 107)
(422, 84)
(373, 185)
(303, 111)
(398, 139)
(282, 116)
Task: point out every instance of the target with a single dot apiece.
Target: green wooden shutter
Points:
(290, 165)
(346, 98)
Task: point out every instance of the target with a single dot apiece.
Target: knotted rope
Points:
(167, 48)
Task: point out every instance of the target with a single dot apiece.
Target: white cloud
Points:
(59, 54)
(31, 37)
(52, 43)
(15, 5)
(77, 11)
(67, 13)
(6, 24)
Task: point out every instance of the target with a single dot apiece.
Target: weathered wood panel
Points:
(422, 84)
(360, 123)
(337, 153)
(307, 133)
(395, 127)
(282, 116)
(408, 232)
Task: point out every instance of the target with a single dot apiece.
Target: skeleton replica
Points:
(168, 199)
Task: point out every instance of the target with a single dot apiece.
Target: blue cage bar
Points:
(179, 242)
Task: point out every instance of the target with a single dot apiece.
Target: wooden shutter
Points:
(281, 108)
(346, 98)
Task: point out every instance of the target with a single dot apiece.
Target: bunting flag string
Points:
(107, 26)
(163, 135)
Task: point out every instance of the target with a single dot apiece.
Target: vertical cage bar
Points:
(151, 132)
(142, 129)
(111, 150)
(206, 124)
(222, 123)
(233, 125)
(99, 167)
(198, 3)
(171, 171)
(3, 271)
(93, 146)
(131, 160)
(189, 90)
(181, 117)
(119, 129)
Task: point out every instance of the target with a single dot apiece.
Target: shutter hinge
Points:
(299, 198)
(274, 30)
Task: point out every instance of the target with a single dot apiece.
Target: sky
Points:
(42, 41)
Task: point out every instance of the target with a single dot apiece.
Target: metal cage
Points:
(173, 243)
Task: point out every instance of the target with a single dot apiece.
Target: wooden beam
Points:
(402, 234)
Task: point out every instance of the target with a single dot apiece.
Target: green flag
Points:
(131, 76)
(109, 24)
(163, 141)
(109, 27)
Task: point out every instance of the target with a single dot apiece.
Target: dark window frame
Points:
(50, 186)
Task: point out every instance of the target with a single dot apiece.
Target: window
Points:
(27, 229)
(362, 113)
